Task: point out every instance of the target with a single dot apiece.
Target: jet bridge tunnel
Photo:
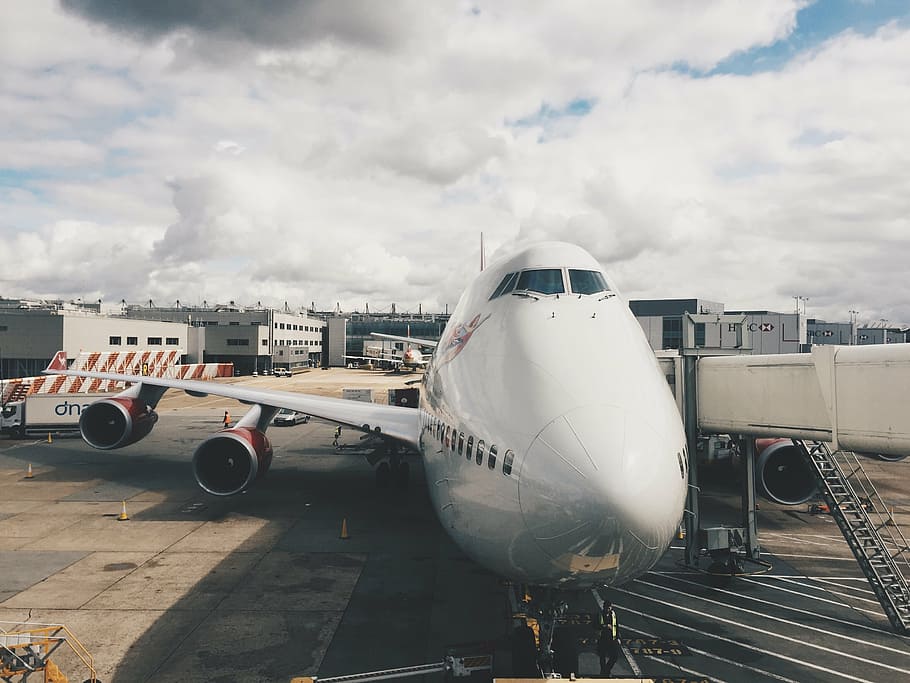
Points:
(855, 397)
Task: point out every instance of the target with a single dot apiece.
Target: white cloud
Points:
(356, 156)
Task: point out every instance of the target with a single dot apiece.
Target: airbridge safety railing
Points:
(868, 526)
(28, 647)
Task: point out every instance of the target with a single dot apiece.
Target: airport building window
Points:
(470, 450)
(153, 341)
(700, 335)
(587, 281)
(479, 458)
(672, 336)
(114, 341)
(132, 341)
(507, 463)
(238, 342)
(491, 458)
(172, 341)
(281, 327)
(461, 443)
(265, 342)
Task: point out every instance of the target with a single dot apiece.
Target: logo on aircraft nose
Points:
(460, 337)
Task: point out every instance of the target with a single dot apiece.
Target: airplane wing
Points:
(396, 422)
(410, 340)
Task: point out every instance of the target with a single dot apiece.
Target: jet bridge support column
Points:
(690, 419)
(747, 447)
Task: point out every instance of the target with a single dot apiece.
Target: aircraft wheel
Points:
(383, 475)
(524, 653)
(402, 475)
(565, 653)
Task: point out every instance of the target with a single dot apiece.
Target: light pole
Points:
(854, 318)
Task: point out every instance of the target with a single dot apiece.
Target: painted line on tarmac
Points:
(841, 603)
(839, 585)
(815, 557)
(826, 537)
(711, 655)
(763, 651)
(797, 539)
(781, 620)
(828, 590)
(797, 641)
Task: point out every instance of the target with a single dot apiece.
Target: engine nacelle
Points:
(783, 473)
(230, 461)
(116, 422)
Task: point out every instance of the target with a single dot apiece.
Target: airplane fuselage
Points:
(553, 449)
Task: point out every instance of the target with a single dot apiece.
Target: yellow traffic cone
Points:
(344, 529)
(49, 439)
(123, 516)
(28, 472)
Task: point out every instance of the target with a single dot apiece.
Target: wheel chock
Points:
(344, 530)
(28, 472)
(123, 517)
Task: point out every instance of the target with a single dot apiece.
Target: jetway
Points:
(842, 398)
(854, 397)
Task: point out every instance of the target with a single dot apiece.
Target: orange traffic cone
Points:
(344, 530)
(28, 472)
(123, 516)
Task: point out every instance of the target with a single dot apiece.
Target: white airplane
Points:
(412, 358)
(544, 469)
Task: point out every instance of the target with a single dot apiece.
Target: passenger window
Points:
(470, 448)
(491, 458)
(544, 281)
(479, 458)
(461, 443)
(454, 434)
(446, 439)
(507, 463)
(587, 281)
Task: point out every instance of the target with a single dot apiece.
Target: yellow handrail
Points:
(46, 635)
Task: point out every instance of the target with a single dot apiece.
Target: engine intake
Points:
(230, 461)
(116, 422)
(783, 473)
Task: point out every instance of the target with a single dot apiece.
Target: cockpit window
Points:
(587, 281)
(508, 282)
(544, 281)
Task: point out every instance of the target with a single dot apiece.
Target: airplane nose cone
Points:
(593, 486)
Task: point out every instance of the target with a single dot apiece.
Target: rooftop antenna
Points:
(483, 256)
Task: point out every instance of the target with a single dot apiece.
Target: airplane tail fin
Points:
(57, 363)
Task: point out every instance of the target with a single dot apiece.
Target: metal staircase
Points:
(868, 526)
(26, 649)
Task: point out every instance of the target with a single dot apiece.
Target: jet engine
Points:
(783, 473)
(116, 422)
(230, 461)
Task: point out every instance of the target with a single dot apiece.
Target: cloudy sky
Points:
(337, 151)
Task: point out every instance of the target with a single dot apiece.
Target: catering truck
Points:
(40, 413)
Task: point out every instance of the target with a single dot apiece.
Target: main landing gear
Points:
(394, 471)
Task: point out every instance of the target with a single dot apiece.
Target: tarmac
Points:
(261, 586)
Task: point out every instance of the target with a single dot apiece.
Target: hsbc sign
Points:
(761, 327)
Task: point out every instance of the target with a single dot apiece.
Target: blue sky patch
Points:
(548, 114)
(815, 24)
